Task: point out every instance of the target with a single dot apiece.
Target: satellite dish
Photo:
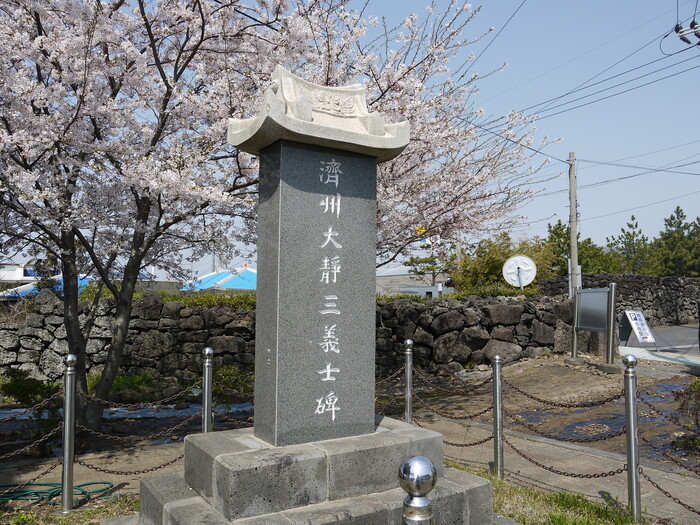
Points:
(519, 270)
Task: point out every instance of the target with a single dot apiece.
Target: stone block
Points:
(157, 492)
(201, 451)
(478, 496)
(362, 464)
(350, 511)
(264, 481)
(192, 511)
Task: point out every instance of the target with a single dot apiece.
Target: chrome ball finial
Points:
(208, 352)
(629, 360)
(70, 360)
(417, 476)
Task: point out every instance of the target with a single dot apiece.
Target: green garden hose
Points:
(33, 493)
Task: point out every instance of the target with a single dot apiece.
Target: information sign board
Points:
(640, 326)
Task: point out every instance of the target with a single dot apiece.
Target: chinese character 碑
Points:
(327, 404)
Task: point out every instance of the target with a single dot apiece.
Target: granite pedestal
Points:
(234, 477)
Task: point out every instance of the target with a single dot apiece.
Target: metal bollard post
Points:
(610, 324)
(634, 497)
(574, 334)
(497, 417)
(408, 353)
(207, 376)
(68, 434)
(417, 476)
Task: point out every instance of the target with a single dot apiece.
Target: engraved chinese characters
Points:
(316, 294)
(330, 175)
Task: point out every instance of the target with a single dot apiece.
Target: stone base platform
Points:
(233, 477)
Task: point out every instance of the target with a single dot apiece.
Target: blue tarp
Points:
(30, 289)
(236, 279)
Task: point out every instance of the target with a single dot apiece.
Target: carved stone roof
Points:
(335, 117)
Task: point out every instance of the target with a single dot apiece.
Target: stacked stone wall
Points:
(665, 301)
(167, 339)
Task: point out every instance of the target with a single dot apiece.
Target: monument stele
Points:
(315, 323)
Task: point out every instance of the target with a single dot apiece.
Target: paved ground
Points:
(674, 344)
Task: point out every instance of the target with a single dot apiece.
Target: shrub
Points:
(231, 384)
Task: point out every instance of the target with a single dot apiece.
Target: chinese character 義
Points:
(330, 342)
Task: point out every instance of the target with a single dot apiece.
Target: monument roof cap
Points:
(336, 117)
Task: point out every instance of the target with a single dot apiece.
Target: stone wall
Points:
(167, 339)
(663, 300)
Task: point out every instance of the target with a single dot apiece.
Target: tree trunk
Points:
(122, 318)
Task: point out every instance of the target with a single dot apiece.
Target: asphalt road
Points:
(678, 344)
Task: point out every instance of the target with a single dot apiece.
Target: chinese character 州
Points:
(331, 204)
(327, 404)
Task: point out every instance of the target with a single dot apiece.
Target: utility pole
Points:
(573, 224)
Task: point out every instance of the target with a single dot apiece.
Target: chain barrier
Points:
(449, 416)
(20, 486)
(157, 435)
(128, 472)
(562, 472)
(40, 441)
(591, 439)
(136, 406)
(667, 417)
(454, 391)
(586, 404)
(668, 494)
(392, 376)
(39, 405)
(459, 445)
(668, 456)
(381, 408)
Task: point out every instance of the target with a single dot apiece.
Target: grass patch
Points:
(91, 513)
(529, 506)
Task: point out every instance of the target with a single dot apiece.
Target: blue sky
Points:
(554, 47)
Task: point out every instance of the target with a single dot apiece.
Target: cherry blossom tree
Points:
(113, 156)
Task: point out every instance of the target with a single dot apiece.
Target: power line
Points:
(495, 37)
(639, 207)
(540, 152)
(619, 93)
(611, 78)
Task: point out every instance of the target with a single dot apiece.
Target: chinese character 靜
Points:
(330, 269)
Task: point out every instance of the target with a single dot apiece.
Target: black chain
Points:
(128, 472)
(27, 483)
(667, 417)
(460, 445)
(586, 404)
(465, 390)
(130, 439)
(37, 442)
(380, 408)
(665, 454)
(449, 416)
(592, 439)
(392, 376)
(562, 472)
(136, 406)
(668, 494)
(39, 405)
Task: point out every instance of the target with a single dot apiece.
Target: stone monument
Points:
(317, 453)
(315, 340)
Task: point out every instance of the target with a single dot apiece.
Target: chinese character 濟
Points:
(330, 171)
